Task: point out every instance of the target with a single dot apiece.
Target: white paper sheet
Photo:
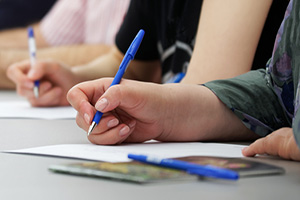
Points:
(119, 153)
(22, 109)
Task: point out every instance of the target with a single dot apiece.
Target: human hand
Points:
(55, 81)
(138, 111)
(279, 143)
(133, 112)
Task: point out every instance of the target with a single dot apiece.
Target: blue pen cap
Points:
(215, 172)
(135, 43)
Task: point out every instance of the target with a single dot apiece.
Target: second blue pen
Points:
(129, 55)
(32, 55)
(192, 168)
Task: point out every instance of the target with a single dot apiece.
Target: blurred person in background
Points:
(73, 32)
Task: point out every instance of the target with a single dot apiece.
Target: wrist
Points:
(79, 74)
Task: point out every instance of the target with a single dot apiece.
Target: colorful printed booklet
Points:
(144, 173)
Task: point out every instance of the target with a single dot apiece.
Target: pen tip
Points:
(92, 126)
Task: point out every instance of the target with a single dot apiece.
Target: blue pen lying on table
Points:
(32, 55)
(129, 55)
(191, 168)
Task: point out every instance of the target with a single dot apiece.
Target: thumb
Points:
(109, 100)
(130, 95)
(40, 69)
(34, 74)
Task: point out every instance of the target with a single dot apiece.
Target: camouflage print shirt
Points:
(283, 68)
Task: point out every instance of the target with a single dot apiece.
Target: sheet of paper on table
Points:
(22, 109)
(119, 153)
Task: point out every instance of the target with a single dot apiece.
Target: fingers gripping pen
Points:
(129, 55)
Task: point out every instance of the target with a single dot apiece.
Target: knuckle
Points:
(71, 94)
(10, 71)
(81, 106)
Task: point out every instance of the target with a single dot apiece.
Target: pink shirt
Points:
(83, 21)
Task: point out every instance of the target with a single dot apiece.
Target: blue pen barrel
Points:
(171, 163)
(215, 172)
(37, 83)
(116, 81)
(123, 66)
(97, 117)
(177, 164)
(192, 168)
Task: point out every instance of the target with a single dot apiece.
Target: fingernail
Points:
(30, 73)
(87, 118)
(244, 150)
(124, 131)
(100, 105)
(132, 124)
(112, 123)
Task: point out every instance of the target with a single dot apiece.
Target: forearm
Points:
(70, 55)
(103, 66)
(74, 54)
(227, 37)
(13, 38)
(108, 65)
(17, 38)
(204, 117)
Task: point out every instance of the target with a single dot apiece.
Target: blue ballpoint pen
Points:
(178, 77)
(201, 170)
(32, 55)
(129, 55)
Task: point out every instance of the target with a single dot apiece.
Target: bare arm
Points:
(17, 38)
(108, 64)
(70, 55)
(227, 37)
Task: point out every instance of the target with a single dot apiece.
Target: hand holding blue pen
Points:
(32, 55)
(201, 170)
(129, 55)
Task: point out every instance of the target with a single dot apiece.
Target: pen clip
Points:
(130, 53)
(135, 44)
